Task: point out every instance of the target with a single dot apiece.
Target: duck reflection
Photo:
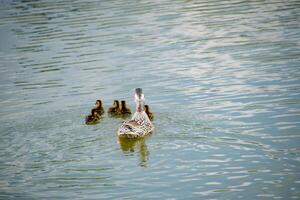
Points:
(135, 145)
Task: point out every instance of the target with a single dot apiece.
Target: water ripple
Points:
(222, 79)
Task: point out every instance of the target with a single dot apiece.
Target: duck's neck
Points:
(139, 105)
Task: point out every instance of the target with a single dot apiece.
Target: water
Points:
(222, 79)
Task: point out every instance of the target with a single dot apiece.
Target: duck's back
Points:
(113, 110)
(100, 111)
(139, 126)
(126, 111)
(90, 119)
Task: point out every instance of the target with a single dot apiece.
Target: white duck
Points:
(140, 124)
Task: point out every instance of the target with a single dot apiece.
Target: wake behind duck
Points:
(140, 124)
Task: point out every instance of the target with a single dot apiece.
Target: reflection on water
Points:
(138, 145)
(222, 78)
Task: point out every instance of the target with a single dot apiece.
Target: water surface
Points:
(222, 78)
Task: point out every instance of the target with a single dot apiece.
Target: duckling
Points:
(149, 113)
(93, 118)
(99, 107)
(124, 109)
(115, 109)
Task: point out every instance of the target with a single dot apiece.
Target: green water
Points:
(222, 78)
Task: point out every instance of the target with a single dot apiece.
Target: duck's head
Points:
(116, 103)
(123, 104)
(139, 93)
(94, 112)
(139, 99)
(98, 104)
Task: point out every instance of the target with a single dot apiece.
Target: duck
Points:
(93, 118)
(99, 107)
(115, 109)
(124, 109)
(149, 113)
(140, 124)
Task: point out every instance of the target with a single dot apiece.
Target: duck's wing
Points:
(141, 117)
(133, 129)
(131, 123)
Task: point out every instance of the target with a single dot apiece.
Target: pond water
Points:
(222, 78)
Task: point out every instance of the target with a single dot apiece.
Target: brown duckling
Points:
(124, 109)
(115, 109)
(93, 118)
(149, 113)
(99, 107)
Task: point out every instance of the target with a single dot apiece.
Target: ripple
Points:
(222, 79)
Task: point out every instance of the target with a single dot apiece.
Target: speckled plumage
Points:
(140, 124)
